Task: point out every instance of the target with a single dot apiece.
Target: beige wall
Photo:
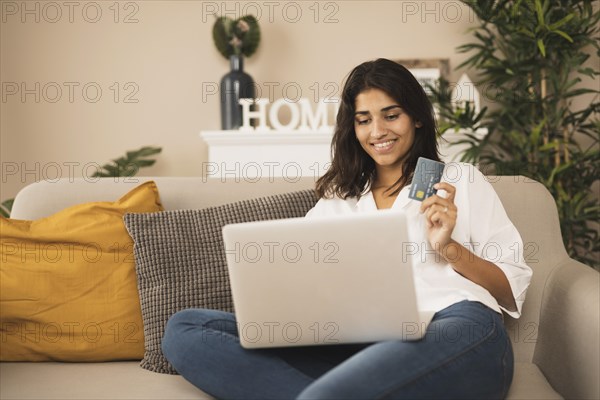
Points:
(167, 55)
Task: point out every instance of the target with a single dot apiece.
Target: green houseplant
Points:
(128, 165)
(236, 37)
(530, 57)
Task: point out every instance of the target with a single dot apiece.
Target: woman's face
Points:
(383, 128)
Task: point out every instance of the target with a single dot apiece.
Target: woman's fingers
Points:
(448, 188)
(438, 209)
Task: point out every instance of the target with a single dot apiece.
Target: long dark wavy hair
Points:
(352, 170)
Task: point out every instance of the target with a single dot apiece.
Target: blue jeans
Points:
(465, 353)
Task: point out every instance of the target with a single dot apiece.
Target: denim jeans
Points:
(465, 353)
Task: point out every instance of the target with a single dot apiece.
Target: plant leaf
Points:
(6, 207)
(542, 48)
(220, 36)
(560, 23)
(251, 39)
(539, 12)
(563, 34)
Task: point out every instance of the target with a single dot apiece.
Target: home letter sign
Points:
(302, 116)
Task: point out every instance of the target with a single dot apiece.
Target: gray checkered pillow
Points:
(180, 260)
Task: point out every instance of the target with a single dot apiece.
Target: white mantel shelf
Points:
(288, 153)
(272, 154)
(235, 138)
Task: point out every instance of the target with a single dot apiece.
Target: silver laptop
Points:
(319, 281)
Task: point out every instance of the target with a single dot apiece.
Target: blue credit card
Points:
(427, 174)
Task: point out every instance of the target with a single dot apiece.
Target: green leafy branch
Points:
(130, 164)
(5, 207)
(126, 166)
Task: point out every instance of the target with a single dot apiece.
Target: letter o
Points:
(85, 94)
(298, 10)
(57, 89)
(97, 17)
(274, 115)
(85, 332)
(245, 252)
(84, 252)
(57, 332)
(298, 169)
(285, 253)
(452, 172)
(89, 177)
(257, 174)
(57, 168)
(258, 335)
(56, 249)
(58, 12)
(257, 12)
(286, 337)
(296, 86)
(457, 12)
(498, 254)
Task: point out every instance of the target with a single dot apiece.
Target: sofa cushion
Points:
(126, 380)
(180, 260)
(68, 285)
(530, 383)
(123, 380)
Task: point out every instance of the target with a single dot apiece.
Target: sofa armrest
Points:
(568, 346)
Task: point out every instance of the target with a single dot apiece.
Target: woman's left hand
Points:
(440, 216)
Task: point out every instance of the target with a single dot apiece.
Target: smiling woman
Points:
(384, 125)
(381, 101)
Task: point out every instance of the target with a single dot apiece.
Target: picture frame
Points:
(427, 71)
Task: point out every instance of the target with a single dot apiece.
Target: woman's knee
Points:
(185, 326)
(194, 318)
(173, 336)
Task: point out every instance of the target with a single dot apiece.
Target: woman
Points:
(470, 267)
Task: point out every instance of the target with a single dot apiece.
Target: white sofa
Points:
(556, 341)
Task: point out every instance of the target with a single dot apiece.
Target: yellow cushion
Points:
(68, 288)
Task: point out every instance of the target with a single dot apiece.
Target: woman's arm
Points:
(480, 271)
(441, 214)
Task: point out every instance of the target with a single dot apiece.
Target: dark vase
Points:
(235, 85)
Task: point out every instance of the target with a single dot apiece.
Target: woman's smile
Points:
(384, 146)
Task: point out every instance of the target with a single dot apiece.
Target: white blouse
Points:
(482, 226)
